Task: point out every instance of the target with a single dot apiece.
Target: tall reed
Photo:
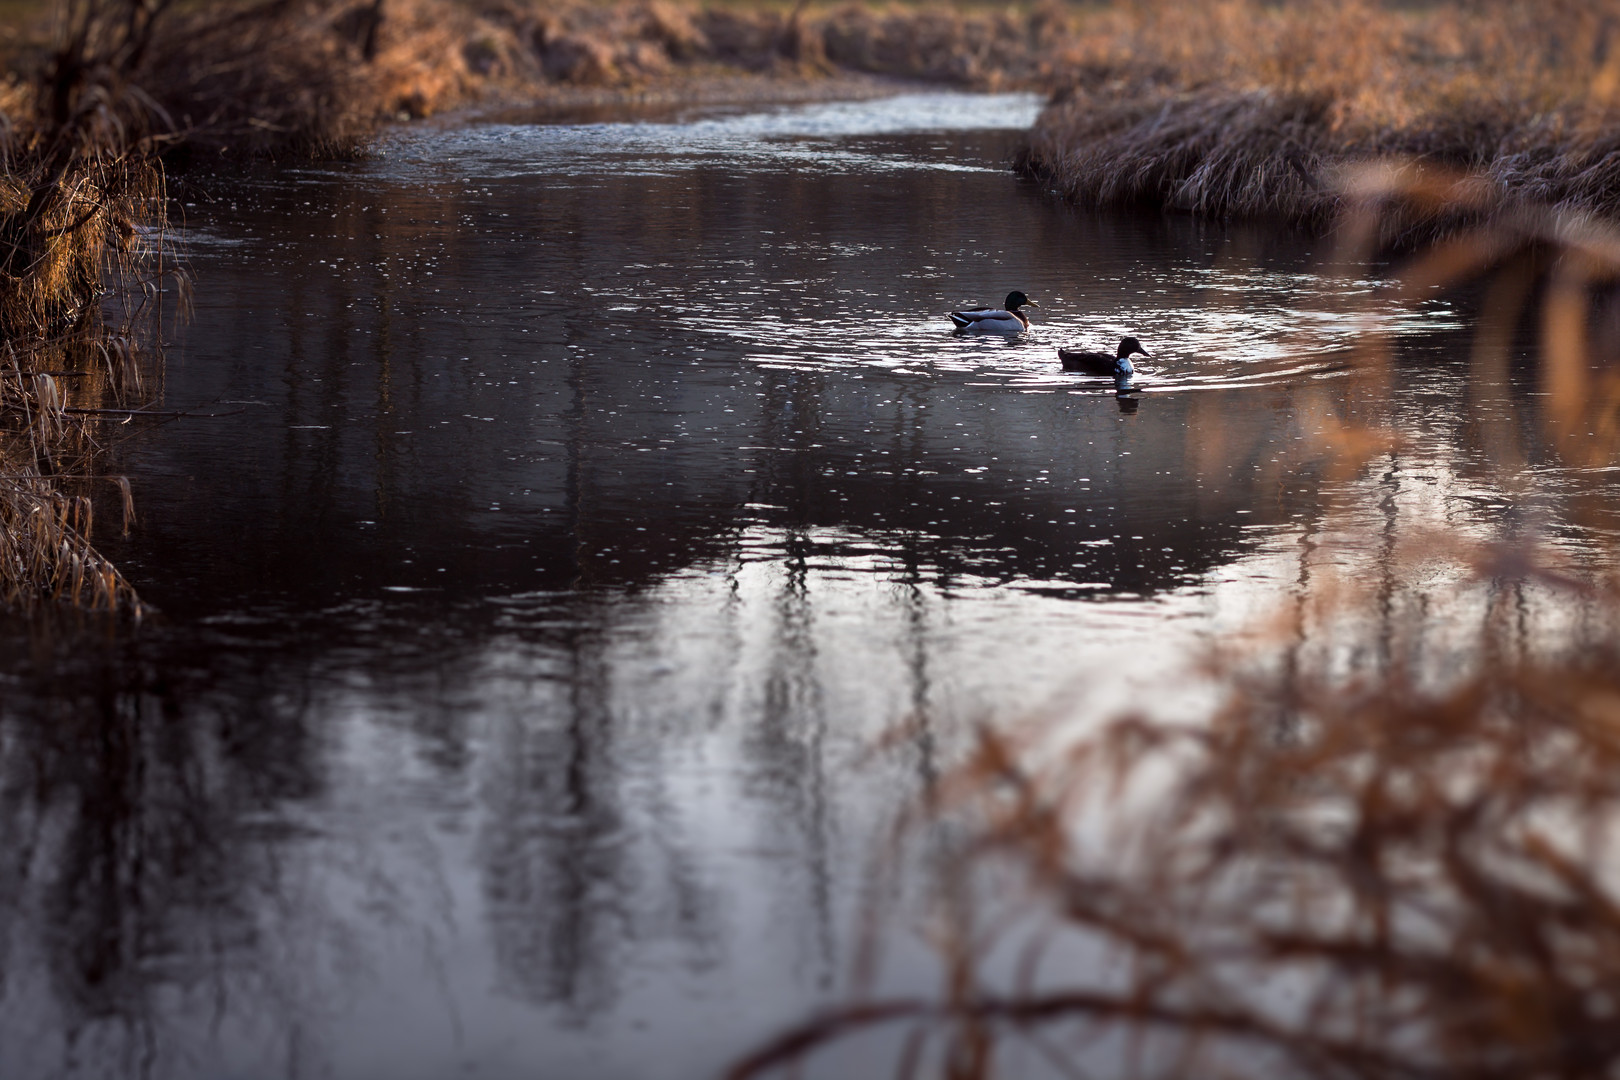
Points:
(1246, 108)
(81, 208)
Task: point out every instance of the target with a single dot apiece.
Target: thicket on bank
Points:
(80, 209)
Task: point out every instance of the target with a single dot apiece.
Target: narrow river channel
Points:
(607, 541)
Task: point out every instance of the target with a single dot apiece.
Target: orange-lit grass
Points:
(81, 210)
(53, 393)
(1251, 108)
(320, 76)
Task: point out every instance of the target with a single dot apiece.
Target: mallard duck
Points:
(1008, 320)
(1100, 363)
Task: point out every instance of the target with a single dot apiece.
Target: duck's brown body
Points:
(1100, 363)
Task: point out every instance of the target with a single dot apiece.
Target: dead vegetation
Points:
(1242, 107)
(300, 77)
(1245, 108)
(81, 209)
(1390, 850)
(1394, 883)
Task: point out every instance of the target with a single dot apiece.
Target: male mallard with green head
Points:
(1007, 320)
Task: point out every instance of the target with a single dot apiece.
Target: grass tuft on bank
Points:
(1253, 109)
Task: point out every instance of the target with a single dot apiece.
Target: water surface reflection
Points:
(602, 494)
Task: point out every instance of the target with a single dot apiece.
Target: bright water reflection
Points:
(601, 495)
(831, 137)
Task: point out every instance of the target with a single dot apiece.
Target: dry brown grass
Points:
(1250, 108)
(319, 76)
(1391, 849)
(81, 209)
(52, 397)
(1234, 107)
(1393, 883)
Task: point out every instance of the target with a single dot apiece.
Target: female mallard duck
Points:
(1100, 363)
(1008, 320)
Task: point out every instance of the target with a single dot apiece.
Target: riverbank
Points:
(320, 77)
(1248, 109)
(1240, 109)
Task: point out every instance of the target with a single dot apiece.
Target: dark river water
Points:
(608, 539)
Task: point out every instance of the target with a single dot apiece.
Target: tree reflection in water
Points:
(534, 653)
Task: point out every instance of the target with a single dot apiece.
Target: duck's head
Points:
(1131, 345)
(1016, 300)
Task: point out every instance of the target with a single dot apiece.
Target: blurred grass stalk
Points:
(1393, 849)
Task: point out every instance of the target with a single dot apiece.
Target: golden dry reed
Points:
(1231, 107)
(1249, 108)
(81, 209)
(1392, 846)
(297, 77)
